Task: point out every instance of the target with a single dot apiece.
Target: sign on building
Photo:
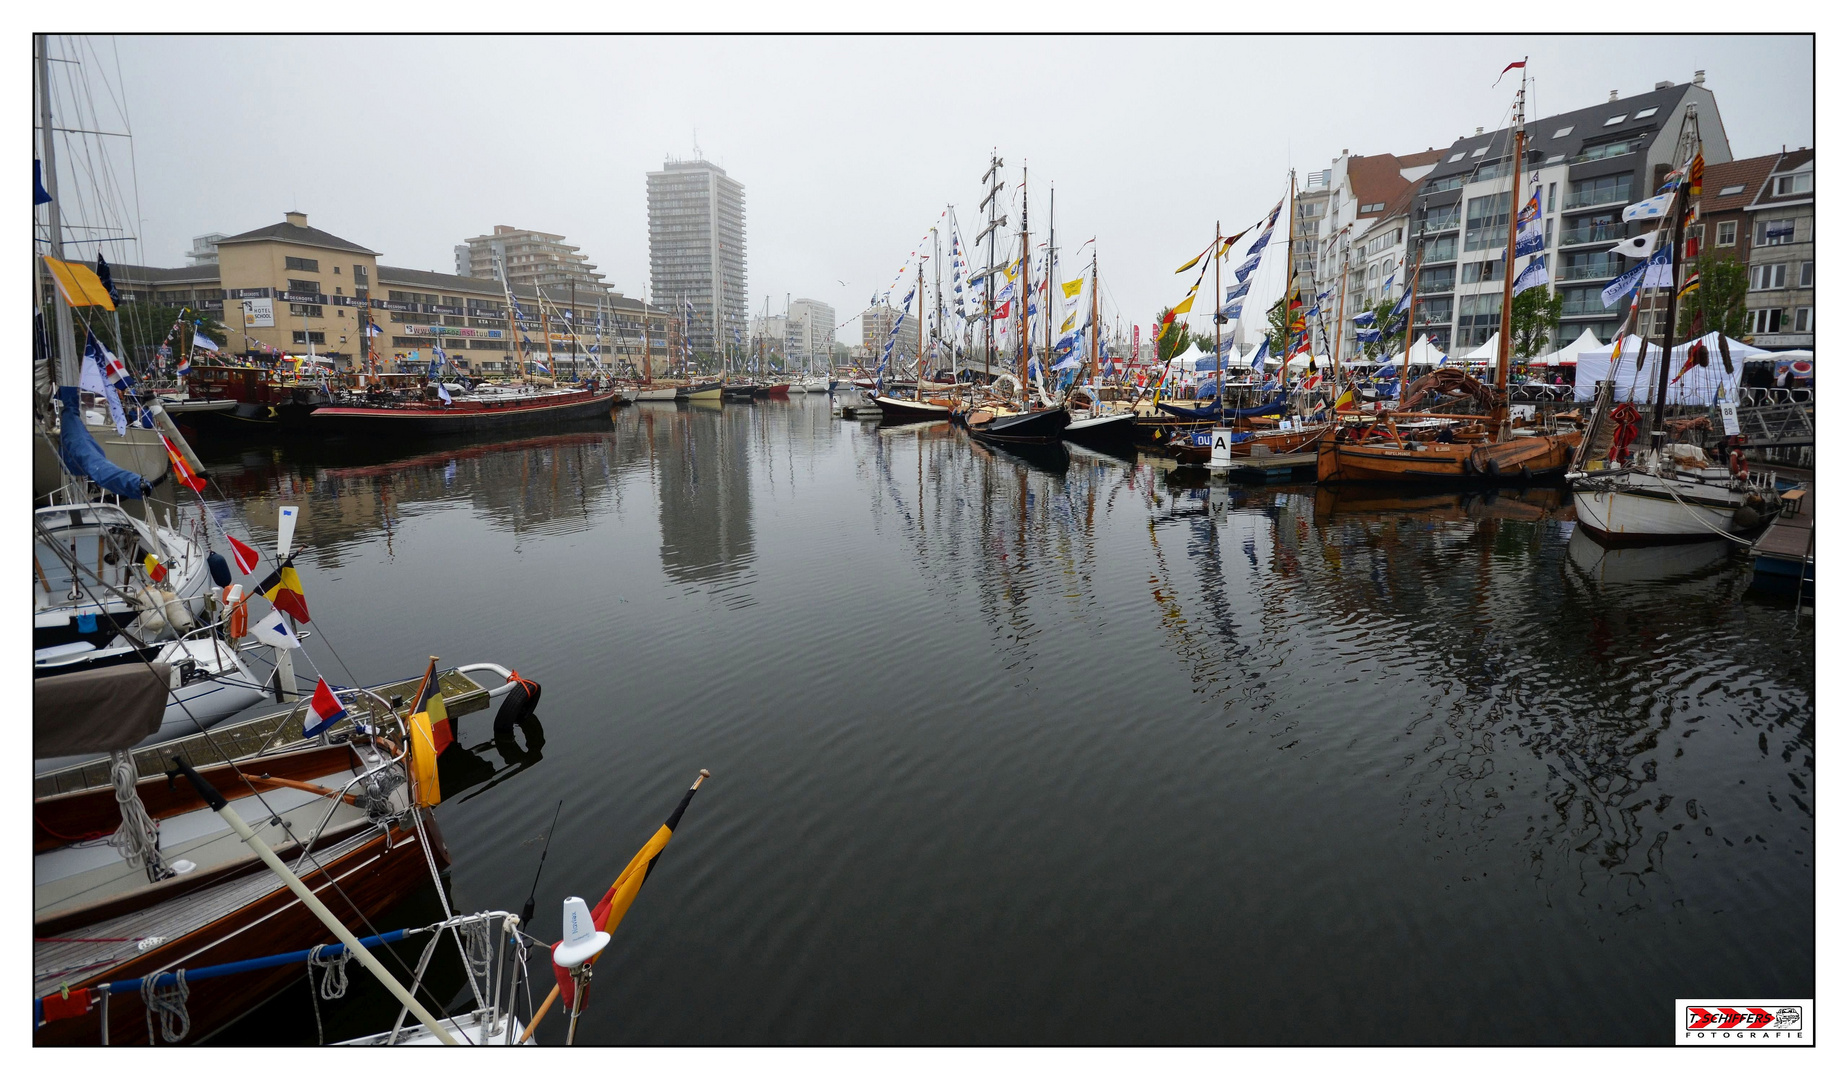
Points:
(260, 312)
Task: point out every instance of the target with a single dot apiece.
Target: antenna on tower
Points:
(697, 156)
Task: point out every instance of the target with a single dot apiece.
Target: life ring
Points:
(237, 620)
(1736, 465)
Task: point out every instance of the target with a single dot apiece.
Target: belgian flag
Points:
(284, 589)
(430, 703)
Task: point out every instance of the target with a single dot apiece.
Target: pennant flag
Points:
(1506, 70)
(1638, 247)
(245, 555)
(1262, 241)
(1693, 284)
(609, 912)
(1653, 207)
(323, 709)
(1534, 274)
(430, 705)
(156, 572)
(283, 588)
(1624, 284)
(1346, 400)
(182, 473)
(1530, 231)
(1244, 269)
(78, 284)
(272, 630)
(1183, 307)
(1191, 263)
(39, 195)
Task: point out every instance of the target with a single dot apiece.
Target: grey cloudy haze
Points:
(849, 148)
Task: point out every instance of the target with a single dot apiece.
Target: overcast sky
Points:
(848, 148)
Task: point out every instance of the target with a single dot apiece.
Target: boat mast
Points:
(1219, 364)
(936, 252)
(67, 334)
(1502, 430)
(919, 391)
(513, 318)
(988, 276)
(1692, 145)
(1411, 308)
(1341, 315)
(1052, 252)
(1024, 358)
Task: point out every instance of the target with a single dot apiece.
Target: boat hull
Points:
(1639, 509)
(1037, 426)
(1540, 457)
(1110, 429)
(364, 421)
(900, 411)
(658, 393)
(702, 392)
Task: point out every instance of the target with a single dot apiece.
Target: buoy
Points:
(1745, 519)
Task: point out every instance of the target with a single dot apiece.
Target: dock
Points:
(1786, 554)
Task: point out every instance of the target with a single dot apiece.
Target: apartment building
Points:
(696, 249)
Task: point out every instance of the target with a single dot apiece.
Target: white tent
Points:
(1185, 361)
(1301, 364)
(1696, 386)
(1486, 352)
(1424, 354)
(1569, 354)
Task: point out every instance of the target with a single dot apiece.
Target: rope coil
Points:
(170, 1003)
(138, 838)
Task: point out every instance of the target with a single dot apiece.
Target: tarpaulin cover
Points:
(84, 458)
(97, 711)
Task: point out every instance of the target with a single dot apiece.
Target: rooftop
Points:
(296, 230)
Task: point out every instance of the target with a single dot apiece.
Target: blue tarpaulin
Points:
(84, 458)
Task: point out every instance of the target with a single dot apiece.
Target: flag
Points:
(103, 275)
(1692, 284)
(609, 911)
(1530, 234)
(39, 195)
(1001, 312)
(1183, 307)
(1366, 337)
(1653, 207)
(78, 284)
(372, 328)
(1073, 288)
(182, 473)
(200, 341)
(1244, 269)
(1534, 274)
(90, 377)
(534, 361)
(1661, 274)
(1506, 70)
(1346, 400)
(1070, 321)
(283, 588)
(1624, 284)
(1365, 318)
(430, 704)
(156, 572)
(245, 555)
(272, 630)
(184, 367)
(1695, 171)
(1405, 301)
(1191, 263)
(1638, 247)
(323, 709)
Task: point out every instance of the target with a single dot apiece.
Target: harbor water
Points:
(1070, 749)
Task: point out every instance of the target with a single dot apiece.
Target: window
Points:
(1726, 234)
(1806, 321)
(1599, 190)
(1590, 266)
(1562, 132)
(1458, 156)
(1441, 219)
(1768, 276)
(1477, 272)
(290, 262)
(1806, 277)
(1549, 232)
(1555, 159)
(1493, 170)
(337, 290)
(359, 272)
(1794, 184)
(310, 337)
(297, 285)
(1771, 233)
(1582, 302)
(1615, 120)
(311, 311)
(1373, 208)
(1438, 280)
(1766, 320)
(1647, 113)
(1478, 151)
(1732, 189)
(1436, 310)
(1448, 183)
(1552, 193)
(1443, 250)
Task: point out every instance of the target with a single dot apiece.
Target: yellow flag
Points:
(1191, 263)
(79, 284)
(1073, 288)
(425, 787)
(1070, 321)
(1184, 306)
(1346, 400)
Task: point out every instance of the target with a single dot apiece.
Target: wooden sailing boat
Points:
(1388, 453)
(1100, 425)
(1003, 424)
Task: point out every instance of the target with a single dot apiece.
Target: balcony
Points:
(1581, 308)
(1591, 234)
(1590, 272)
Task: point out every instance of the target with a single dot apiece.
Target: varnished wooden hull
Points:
(375, 877)
(1539, 457)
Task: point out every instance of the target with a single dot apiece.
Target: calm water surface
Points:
(1012, 750)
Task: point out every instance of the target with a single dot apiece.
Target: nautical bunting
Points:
(1534, 274)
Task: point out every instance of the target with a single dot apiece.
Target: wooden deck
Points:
(1788, 547)
(461, 695)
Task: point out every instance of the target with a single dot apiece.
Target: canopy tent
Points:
(1185, 360)
(1697, 386)
(1569, 354)
(1486, 351)
(1424, 354)
(1301, 364)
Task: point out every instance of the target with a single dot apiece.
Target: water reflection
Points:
(699, 454)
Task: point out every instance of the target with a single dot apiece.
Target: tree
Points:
(145, 326)
(1172, 341)
(1720, 300)
(1388, 343)
(1533, 321)
(1203, 342)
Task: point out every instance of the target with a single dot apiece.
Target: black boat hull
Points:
(1038, 426)
(909, 412)
(386, 422)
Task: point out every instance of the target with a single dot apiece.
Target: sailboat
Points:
(1000, 422)
(1098, 424)
(1389, 452)
(1672, 493)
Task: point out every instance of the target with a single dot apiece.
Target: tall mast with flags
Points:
(1514, 214)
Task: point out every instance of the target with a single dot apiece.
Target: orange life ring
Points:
(1736, 464)
(237, 620)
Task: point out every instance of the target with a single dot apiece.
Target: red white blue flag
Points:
(323, 709)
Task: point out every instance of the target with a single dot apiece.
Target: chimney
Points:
(1664, 84)
(1700, 76)
(1478, 131)
(296, 217)
(1613, 95)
